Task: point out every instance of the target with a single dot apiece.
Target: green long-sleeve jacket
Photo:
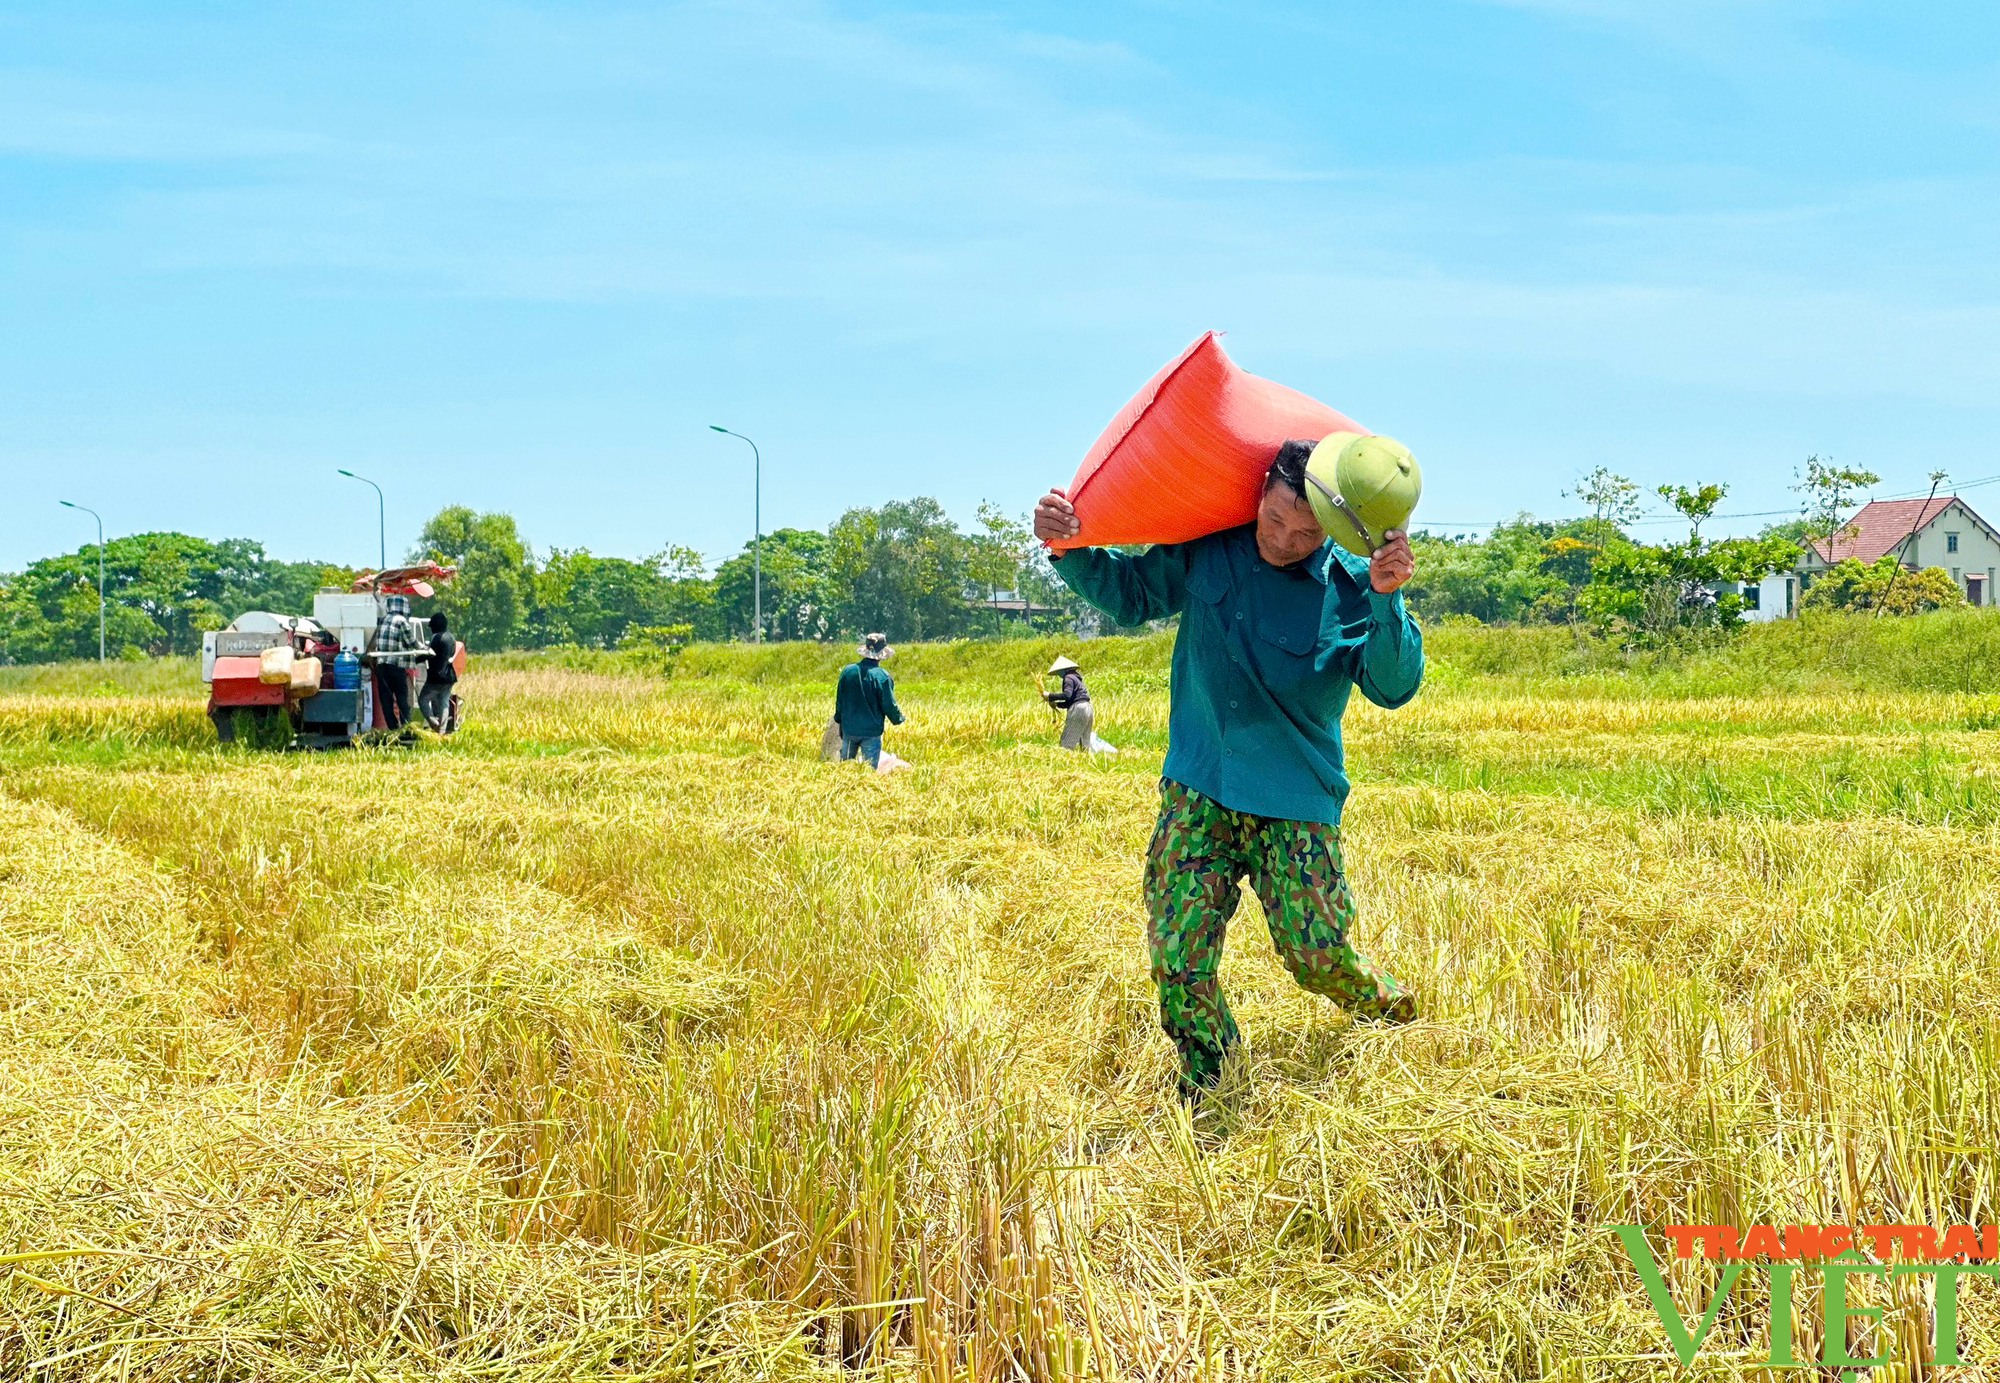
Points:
(1263, 664)
(866, 695)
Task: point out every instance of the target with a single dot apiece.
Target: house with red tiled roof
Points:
(1940, 532)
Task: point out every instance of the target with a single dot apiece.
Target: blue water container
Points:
(346, 671)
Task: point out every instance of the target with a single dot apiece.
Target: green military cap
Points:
(1360, 487)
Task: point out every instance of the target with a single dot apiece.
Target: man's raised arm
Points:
(1129, 589)
(1384, 653)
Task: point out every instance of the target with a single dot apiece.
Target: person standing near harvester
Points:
(1278, 627)
(1080, 718)
(395, 639)
(865, 700)
(440, 675)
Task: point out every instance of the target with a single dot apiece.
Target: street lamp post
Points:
(100, 572)
(381, 521)
(757, 508)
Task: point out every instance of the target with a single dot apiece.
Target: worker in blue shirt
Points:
(1278, 627)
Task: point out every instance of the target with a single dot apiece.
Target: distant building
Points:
(1012, 605)
(1942, 532)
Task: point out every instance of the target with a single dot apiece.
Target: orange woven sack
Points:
(1187, 456)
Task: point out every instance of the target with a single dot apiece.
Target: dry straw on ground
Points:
(623, 1038)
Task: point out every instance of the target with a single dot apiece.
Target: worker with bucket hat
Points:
(393, 650)
(865, 700)
(1279, 626)
(1079, 719)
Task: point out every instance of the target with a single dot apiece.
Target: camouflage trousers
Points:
(1201, 853)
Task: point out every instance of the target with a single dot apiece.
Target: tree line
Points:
(909, 569)
(1590, 571)
(161, 591)
(906, 567)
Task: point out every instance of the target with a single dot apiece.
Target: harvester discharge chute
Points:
(421, 580)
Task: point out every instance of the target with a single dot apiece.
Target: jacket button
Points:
(1232, 705)
(1239, 614)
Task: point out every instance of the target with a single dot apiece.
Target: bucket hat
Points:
(876, 646)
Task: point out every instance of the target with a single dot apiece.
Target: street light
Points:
(100, 571)
(757, 551)
(381, 521)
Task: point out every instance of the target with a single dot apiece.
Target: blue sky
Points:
(519, 257)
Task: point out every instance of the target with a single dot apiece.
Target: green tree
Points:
(1854, 585)
(1568, 559)
(689, 593)
(1829, 489)
(162, 590)
(1661, 594)
(1612, 498)
(1010, 559)
(591, 601)
(1000, 550)
(1697, 506)
(795, 588)
(1525, 569)
(1797, 531)
(489, 602)
(904, 569)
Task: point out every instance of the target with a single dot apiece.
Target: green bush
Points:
(1884, 586)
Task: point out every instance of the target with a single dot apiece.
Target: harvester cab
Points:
(302, 682)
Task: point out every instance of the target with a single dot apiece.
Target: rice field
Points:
(620, 1037)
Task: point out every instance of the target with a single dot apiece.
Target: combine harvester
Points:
(302, 682)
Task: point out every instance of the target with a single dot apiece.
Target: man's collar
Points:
(1316, 564)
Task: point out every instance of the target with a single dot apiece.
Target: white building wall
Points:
(1777, 598)
(1978, 554)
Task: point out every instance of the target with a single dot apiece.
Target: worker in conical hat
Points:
(1080, 718)
(1278, 628)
